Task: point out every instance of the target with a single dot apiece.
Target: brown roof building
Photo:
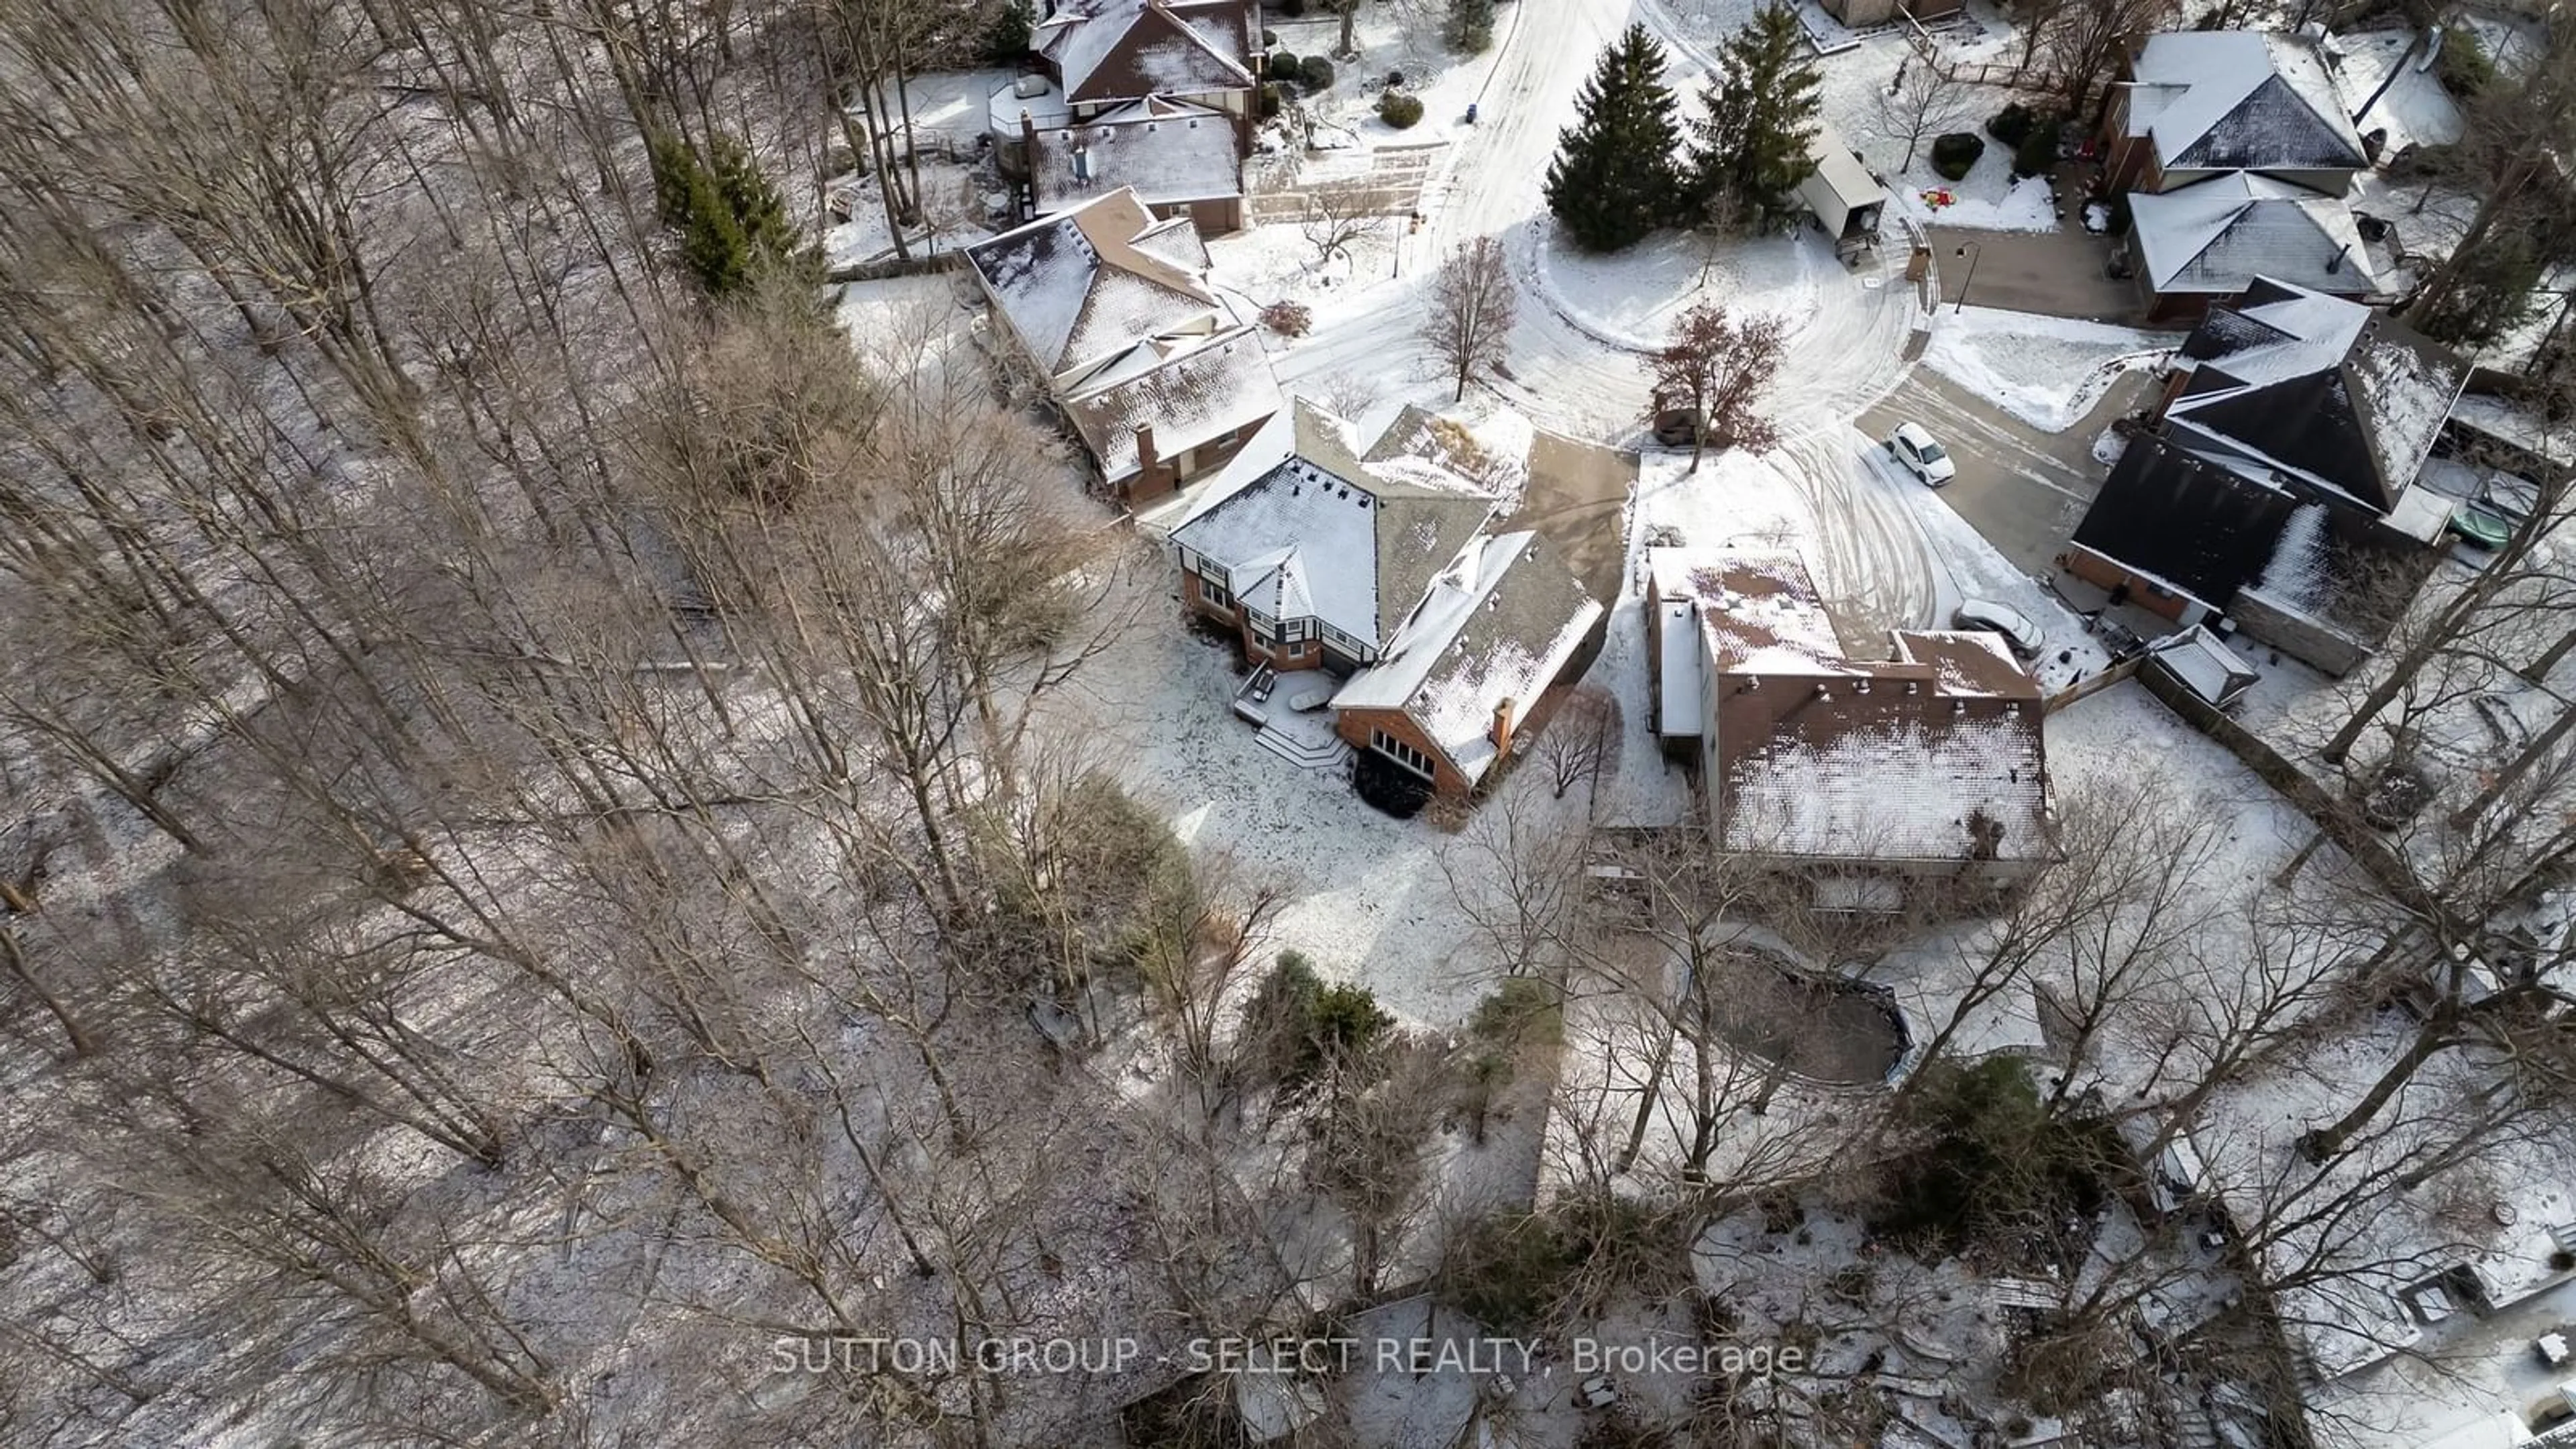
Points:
(1927, 762)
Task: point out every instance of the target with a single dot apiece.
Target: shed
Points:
(1846, 199)
(2201, 662)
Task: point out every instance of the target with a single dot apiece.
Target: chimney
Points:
(1082, 165)
(1145, 459)
(1502, 731)
(1028, 139)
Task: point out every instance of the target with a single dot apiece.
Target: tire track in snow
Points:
(1878, 567)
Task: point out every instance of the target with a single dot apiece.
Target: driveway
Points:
(2054, 273)
(2023, 489)
(1577, 499)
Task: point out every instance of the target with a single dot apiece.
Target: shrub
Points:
(1520, 1270)
(1283, 65)
(1291, 8)
(2012, 125)
(2037, 153)
(1398, 109)
(1522, 1009)
(2465, 68)
(1316, 72)
(1303, 1028)
(1288, 319)
(1270, 40)
(1269, 99)
(1955, 154)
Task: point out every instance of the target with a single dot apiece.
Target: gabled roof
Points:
(1499, 624)
(2219, 235)
(2232, 99)
(1090, 283)
(1168, 152)
(1118, 50)
(2291, 380)
(1323, 535)
(1201, 395)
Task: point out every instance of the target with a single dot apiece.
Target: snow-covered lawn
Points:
(2046, 371)
(1370, 901)
(1631, 298)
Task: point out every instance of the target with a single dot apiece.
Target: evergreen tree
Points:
(731, 221)
(1754, 145)
(1613, 179)
(1471, 25)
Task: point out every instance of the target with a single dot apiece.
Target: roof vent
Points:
(1958, 706)
(1861, 688)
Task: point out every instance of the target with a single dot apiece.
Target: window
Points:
(1402, 753)
(1297, 630)
(1214, 595)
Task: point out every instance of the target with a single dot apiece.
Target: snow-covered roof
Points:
(2296, 382)
(1841, 172)
(1115, 50)
(1680, 670)
(1322, 535)
(1825, 755)
(1496, 627)
(1965, 662)
(2234, 99)
(1168, 152)
(1759, 610)
(1893, 789)
(2203, 663)
(1086, 285)
(2217, 236)
(1199, 396)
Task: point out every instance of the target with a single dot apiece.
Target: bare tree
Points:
(1922, 102)
(1581, 739)
(1718, 370)
(2082, 41)
(1339, 213)
(1469, 313)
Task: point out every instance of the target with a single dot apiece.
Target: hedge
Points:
(1398, 109)
(1955, 153)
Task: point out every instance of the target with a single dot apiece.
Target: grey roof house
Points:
(1375, 566)
(1112, 311)
(2278, 484)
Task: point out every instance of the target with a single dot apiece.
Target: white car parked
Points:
(1922, 457)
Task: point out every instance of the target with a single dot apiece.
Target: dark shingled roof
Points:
(2271, 129)
(2197, 526)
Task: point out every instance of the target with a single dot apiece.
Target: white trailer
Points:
(1847, 201)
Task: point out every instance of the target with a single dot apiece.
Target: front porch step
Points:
(1335, 756)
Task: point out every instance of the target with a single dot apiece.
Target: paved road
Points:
(2021, 488)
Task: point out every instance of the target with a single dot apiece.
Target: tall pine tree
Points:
(1755, 144)
(1613, 179)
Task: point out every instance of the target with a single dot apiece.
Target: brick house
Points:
(2212, 242)
(1436, 638)
(2276, 482)
(1111, 311)
(2198, 104)
(1151, 94)
(1856, 773)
